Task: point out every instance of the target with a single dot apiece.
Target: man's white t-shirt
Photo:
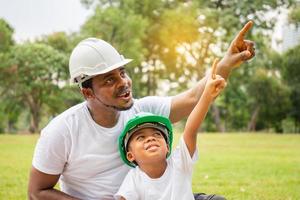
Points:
(85, 153)
(174, 184)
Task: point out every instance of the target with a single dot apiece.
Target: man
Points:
(79, 147)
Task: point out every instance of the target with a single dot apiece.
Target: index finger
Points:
(244, 30)
(214, 69)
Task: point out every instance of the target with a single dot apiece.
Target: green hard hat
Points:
(144, 120)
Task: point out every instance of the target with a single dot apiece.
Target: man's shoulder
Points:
(151, 98)
(63, 119)
(151, 102)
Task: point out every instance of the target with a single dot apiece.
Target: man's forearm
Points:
(197, 91)
(183, 103)
(223, 69)
(49, 194)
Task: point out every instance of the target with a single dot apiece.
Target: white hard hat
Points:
(92, 57)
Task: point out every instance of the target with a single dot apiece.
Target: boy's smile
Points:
(152, 147)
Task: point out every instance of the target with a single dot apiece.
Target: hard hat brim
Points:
(91, 72)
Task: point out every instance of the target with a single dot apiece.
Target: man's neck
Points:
(106, 117)
(154, 170)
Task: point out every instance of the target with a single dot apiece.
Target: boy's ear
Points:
(130, 156)
(168, 149)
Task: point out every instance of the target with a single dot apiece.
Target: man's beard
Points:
(123, 108)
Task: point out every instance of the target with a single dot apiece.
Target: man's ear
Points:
(130, 156)
(87, 93)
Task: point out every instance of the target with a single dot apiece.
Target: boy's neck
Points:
(154, 170)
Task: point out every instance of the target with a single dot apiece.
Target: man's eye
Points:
(123, 74)
(110, 80)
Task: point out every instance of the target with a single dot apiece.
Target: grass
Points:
(15, 161)
(249, 166)
(237, 166)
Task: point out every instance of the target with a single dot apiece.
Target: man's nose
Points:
(122, 81)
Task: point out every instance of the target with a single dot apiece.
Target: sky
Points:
(34, 18)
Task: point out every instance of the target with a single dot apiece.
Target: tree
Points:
(294, 15)
(33, 72)
(291, 74)
(6, 32)
(270, 101)
(58, 40)
(182, 38)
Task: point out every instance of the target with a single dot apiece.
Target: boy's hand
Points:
(215, 83)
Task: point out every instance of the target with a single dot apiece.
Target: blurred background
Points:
(172, 42)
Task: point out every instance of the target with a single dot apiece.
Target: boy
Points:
(145, 144)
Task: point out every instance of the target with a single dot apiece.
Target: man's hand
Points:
(240, 50)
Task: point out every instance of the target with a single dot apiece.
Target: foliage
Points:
(269, 92)
(6, 32)
(33, 74)
(172, 44)
(294, 15)
(59, 41)
(291, 73)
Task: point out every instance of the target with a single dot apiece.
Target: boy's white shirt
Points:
(86, 154)
(174, 184)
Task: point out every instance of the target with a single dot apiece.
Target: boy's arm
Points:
(213, 87)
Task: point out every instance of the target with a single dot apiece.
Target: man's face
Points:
(147, 145)
(114, 88)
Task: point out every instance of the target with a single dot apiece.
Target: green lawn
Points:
(238, 166)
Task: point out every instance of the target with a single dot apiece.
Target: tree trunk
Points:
(11, 126)
(35, 119)
(252, 123)
(217, 118)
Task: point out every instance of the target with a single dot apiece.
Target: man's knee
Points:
(217, 197)
(202, 196)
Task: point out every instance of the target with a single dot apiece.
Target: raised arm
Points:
(214, 86)
(239, 51)
(41, 186)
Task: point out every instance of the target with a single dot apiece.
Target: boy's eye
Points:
(158, 134)
(140, 137)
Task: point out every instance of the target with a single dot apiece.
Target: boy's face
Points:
(147, 146)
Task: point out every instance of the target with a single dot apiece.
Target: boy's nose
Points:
(150, 138)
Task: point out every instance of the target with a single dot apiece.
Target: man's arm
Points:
(239, 51)
(41, 186)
